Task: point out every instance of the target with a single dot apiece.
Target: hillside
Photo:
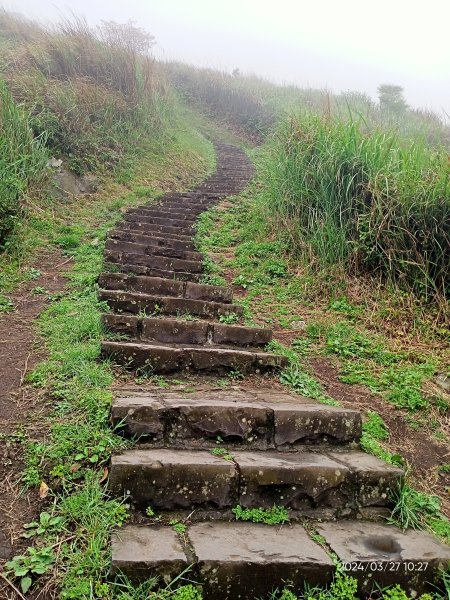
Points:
(326, 217)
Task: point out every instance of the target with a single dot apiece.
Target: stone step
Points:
(152, 211)
(135, 302)
(248, 561)
(274, 421)
(156, 286)
(180, 225)
(142, 238)
(178, 331)
(115, 245)
(155, 261)
(143, 270)
(158, 230)
(170, 358)
(172, 479)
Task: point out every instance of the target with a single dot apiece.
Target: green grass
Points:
(367, 200)
(72, 456)
(270, 516)
(23, 158)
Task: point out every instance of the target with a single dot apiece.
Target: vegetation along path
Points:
(208, 463)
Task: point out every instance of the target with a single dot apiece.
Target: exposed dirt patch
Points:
(21, 405)
(423, 453)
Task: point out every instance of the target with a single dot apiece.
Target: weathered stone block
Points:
(372, 552)
(373, 478)
(170, 479)
(141, 552)
(246, 561)
(301, 424)
(299, 481)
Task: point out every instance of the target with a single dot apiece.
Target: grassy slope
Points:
(78, 441)
(375, 336)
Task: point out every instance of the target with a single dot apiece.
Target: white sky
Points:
(339, 44)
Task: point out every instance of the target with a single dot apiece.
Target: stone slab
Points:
(247, 561)
(315, 423)
(175, 331)
(373, 478)
(384, 554)
(299, 481)
(248, 424)
(139, 416)
(144, 552)
(171, 479)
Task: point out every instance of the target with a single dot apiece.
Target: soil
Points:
(21, 405)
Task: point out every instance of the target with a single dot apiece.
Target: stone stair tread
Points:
(178, 478)
(167, 358)
(157, 261)
(179, 420)
(247, 560)
(148, 271)
(183, 331)
(165, 287)
(142, 237)
(135, 302)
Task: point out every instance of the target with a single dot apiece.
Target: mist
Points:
(350, 45)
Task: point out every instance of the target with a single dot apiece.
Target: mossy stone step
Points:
(154, 261)
(170, 358)
(170, 479)
(247, 561)
(143, 238)
(135, 302)
(278, 422)
(181, 225)
(132, 269)
(153, 211)
(157, 286)
(176, 233)
(178, 331)
(129, 247)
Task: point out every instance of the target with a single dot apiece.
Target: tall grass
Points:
(253, 106)
(365, 198)
(95, 92)
(22, 160)
(240, 102)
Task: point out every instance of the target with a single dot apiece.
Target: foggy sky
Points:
(334, 44)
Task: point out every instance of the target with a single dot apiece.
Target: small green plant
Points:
(375, 426)
(413, 508)
(33, 273)
(299, 380)
(222, 453)
(269, 516)
(46, 524)
(34, 562)
(6, 305)
(344, 307)
(235, 375)
(229, 319)
(178, 526)
(39, 290)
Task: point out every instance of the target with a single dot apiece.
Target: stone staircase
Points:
(201, 453)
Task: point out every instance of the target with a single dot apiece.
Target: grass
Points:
(342, 195)
(270, 516)
(71, 459)
(23, 159)
(375, 335)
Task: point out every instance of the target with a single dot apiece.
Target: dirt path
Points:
(21, 405)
